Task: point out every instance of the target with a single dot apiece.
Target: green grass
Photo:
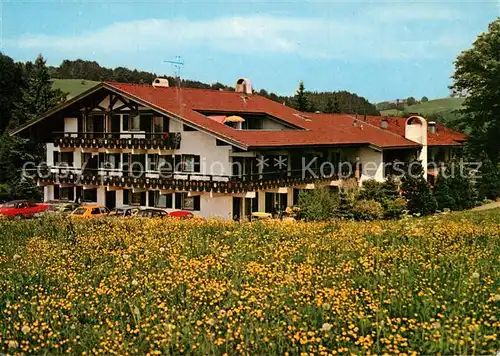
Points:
(73, 86)
(137, 286)
(443, 107)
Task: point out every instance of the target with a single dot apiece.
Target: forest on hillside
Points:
(329, 102)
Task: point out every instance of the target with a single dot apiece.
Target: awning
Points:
(234, 118)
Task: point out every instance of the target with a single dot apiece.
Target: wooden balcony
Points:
(117, 140)
(177, 181)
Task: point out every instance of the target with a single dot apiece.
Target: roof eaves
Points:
(166, 112)
(56, 109)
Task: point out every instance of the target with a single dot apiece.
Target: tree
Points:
(38, 96)
(476, 72)
(454, 189)
(424, 99)
(411, 101)
(11, 83)
(417, 191)
(300, 99)
(488, 184)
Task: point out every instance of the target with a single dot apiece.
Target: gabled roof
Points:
(309, 129)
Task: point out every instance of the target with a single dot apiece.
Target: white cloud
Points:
(363, 37)
(414, 11)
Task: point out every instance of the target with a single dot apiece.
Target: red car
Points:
(21, 208)
(180, 214)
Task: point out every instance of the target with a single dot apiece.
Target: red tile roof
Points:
(312, 129)
(444, 136)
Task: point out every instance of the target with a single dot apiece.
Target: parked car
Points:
(90, 211)
(124, 211)
(152, 213)
(181, 214)
(22, 209)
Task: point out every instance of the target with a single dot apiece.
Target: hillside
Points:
(73, 86)
(442, 107)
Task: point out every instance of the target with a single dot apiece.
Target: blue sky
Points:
(380, 50)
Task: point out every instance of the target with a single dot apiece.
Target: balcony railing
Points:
(132, 140)
(181, 180)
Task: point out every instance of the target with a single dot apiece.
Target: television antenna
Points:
(177, 63)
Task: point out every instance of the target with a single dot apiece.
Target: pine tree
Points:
(38, 96)
(329, 106)
(300, 100)
(417, 192)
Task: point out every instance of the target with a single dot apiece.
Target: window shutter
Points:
(125, 122)
(56, 192)
(178, 163)
(125, 197)
(178, 200)
(196, 203)
(169, 200)
(151, 197)
(197, 164)
(169, 163)
(166, 124)
(101, 160)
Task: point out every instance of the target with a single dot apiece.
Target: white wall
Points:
(273, 125)
(418, 133)
(101, 195)
(371, 164)
(48, 192)
(71, 125)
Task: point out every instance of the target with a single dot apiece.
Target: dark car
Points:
(124, 211)
(152, 213)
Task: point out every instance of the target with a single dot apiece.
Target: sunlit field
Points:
(138, 286)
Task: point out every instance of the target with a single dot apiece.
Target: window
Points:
(152, 162)
(134, 123)
(185, 202)
(188, 163)
(95, 211)
(63, 157)
(66, 193)
(135, 199)
(163, 200)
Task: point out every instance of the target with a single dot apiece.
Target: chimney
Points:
(432, 127)
(384, 123)
(160, 82)
(244, 85)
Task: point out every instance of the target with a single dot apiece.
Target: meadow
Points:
(150, 286)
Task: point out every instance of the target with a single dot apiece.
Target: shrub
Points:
(318, 204)
(379, 191)
(417, 192)
(368, 210)
(394, 209)
(454, 191)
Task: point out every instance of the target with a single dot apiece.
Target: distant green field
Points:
(438, 106)
(73, 86)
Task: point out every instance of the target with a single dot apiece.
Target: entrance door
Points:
(236, 208)
(111, 199)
